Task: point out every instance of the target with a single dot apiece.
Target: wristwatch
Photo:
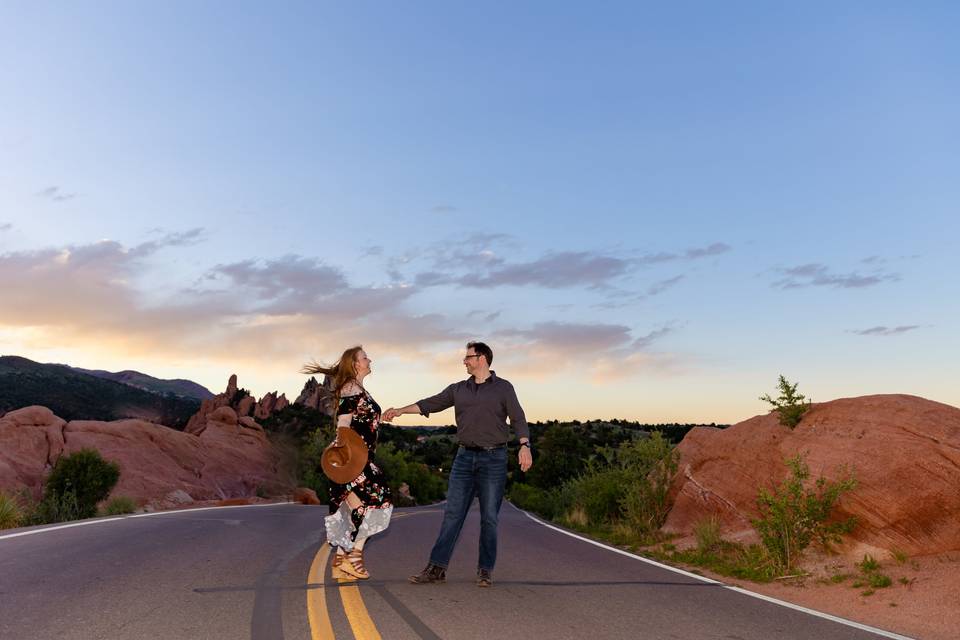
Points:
(527, 445)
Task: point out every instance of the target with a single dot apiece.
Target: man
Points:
(482, 404)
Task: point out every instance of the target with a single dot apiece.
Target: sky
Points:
(648, 211)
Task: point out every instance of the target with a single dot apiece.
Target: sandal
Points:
(336, 568)
(353, 565)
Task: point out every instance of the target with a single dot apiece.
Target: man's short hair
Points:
(482, 349)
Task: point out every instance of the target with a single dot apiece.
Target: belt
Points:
(470, 447)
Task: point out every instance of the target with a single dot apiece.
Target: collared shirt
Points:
(481, 410)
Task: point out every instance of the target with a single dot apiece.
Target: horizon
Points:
(649, 212)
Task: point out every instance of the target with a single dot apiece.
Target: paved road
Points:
(260, 573)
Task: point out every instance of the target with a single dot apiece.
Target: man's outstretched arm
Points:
(433, 404)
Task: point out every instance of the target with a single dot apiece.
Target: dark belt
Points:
(470, 447)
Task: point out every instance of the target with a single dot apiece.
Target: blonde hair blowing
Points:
(344, 371)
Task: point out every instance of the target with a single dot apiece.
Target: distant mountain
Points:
(75, 395)
(178, 387)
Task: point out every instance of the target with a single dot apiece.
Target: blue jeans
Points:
(474, 473)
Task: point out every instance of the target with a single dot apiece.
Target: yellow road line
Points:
(360, 622)
(317, 614)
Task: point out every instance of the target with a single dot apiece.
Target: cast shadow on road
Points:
(502, 583)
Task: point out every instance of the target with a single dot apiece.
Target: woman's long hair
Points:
(340, 373)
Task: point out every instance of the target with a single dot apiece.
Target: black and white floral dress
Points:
(344, 525)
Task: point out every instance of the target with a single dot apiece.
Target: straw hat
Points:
(345, 457)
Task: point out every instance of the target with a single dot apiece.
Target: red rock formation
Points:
(244, 406)
(317, 395)
(227, 458)
(904, 451)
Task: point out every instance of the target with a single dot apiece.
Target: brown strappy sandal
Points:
(336, 568)
(353, 565)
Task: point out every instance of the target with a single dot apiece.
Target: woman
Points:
(361, 507)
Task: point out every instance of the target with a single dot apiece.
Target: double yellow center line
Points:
(320, 627)
(317, 612)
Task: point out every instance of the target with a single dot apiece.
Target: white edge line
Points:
(760, 596)
(83, 523)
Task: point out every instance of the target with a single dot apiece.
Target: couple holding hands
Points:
(360, 503)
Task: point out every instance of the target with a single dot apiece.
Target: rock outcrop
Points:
(240, 401)
(228, 456)
(904, 452)
(317, 395)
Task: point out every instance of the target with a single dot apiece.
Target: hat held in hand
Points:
(345, 457)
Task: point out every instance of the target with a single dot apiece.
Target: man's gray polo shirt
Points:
(481, 410)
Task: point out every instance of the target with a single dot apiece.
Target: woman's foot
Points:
(336, 567)
(352, 565)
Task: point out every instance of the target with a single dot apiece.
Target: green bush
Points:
(425, 485)
(548, 503)
(10, 513)
(120, 505)
(792, 517)
(76, 484)
(790, 405)
(599, 494)
(648, 465)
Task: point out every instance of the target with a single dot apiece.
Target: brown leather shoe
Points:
(431, 574)
(484, 579)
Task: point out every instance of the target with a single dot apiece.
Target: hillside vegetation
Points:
(74, 395)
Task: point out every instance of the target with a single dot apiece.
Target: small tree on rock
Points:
(790, 405)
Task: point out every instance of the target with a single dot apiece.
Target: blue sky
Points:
(649, 212)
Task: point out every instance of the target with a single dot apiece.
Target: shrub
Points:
(648, 465)
(792, 517)
(707, 533)
(548, 503)
(57, 507)
(120, 505)
(76, 484)
(790, 405)
(10, 513)
(399, 467)
(868, 564)
(598, 494)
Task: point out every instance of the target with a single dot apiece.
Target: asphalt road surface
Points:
(261, 572)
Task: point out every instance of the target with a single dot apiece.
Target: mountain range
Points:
(80, 394)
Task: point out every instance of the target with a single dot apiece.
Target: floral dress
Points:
(344, 525)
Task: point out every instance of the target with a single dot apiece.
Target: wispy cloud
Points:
(596, 349)
(5, 226)
(693, 253)
(553, 271)
(55, 194)
(886, 331)
(819, 275)
(444, 208)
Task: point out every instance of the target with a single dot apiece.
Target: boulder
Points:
(903, 450)
(304, 495)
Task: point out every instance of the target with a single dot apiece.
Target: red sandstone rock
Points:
(226, 459)
(904, 451)
(304, 495)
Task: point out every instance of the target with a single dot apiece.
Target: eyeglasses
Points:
(472, 355)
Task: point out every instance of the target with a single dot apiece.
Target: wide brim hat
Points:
(345, 457)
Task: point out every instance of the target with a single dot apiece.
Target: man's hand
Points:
(389, 415)
(526, 459)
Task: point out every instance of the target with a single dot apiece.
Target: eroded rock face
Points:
(244, 406)
(904, 451)
(229, 457)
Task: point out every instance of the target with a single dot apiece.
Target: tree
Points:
(790, 405)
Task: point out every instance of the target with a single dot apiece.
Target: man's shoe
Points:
(484, 579)
(431, 574)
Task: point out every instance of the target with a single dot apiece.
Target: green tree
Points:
(790, 405)
(791, 517)
(77, 483)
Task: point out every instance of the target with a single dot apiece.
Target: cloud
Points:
(659, 287)
(885, 331)
(553, 271)
(818, 275)
(694, 253)
(5, 226)
(600, 350)
(477, 262)
(55, 194)
(444, 208)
